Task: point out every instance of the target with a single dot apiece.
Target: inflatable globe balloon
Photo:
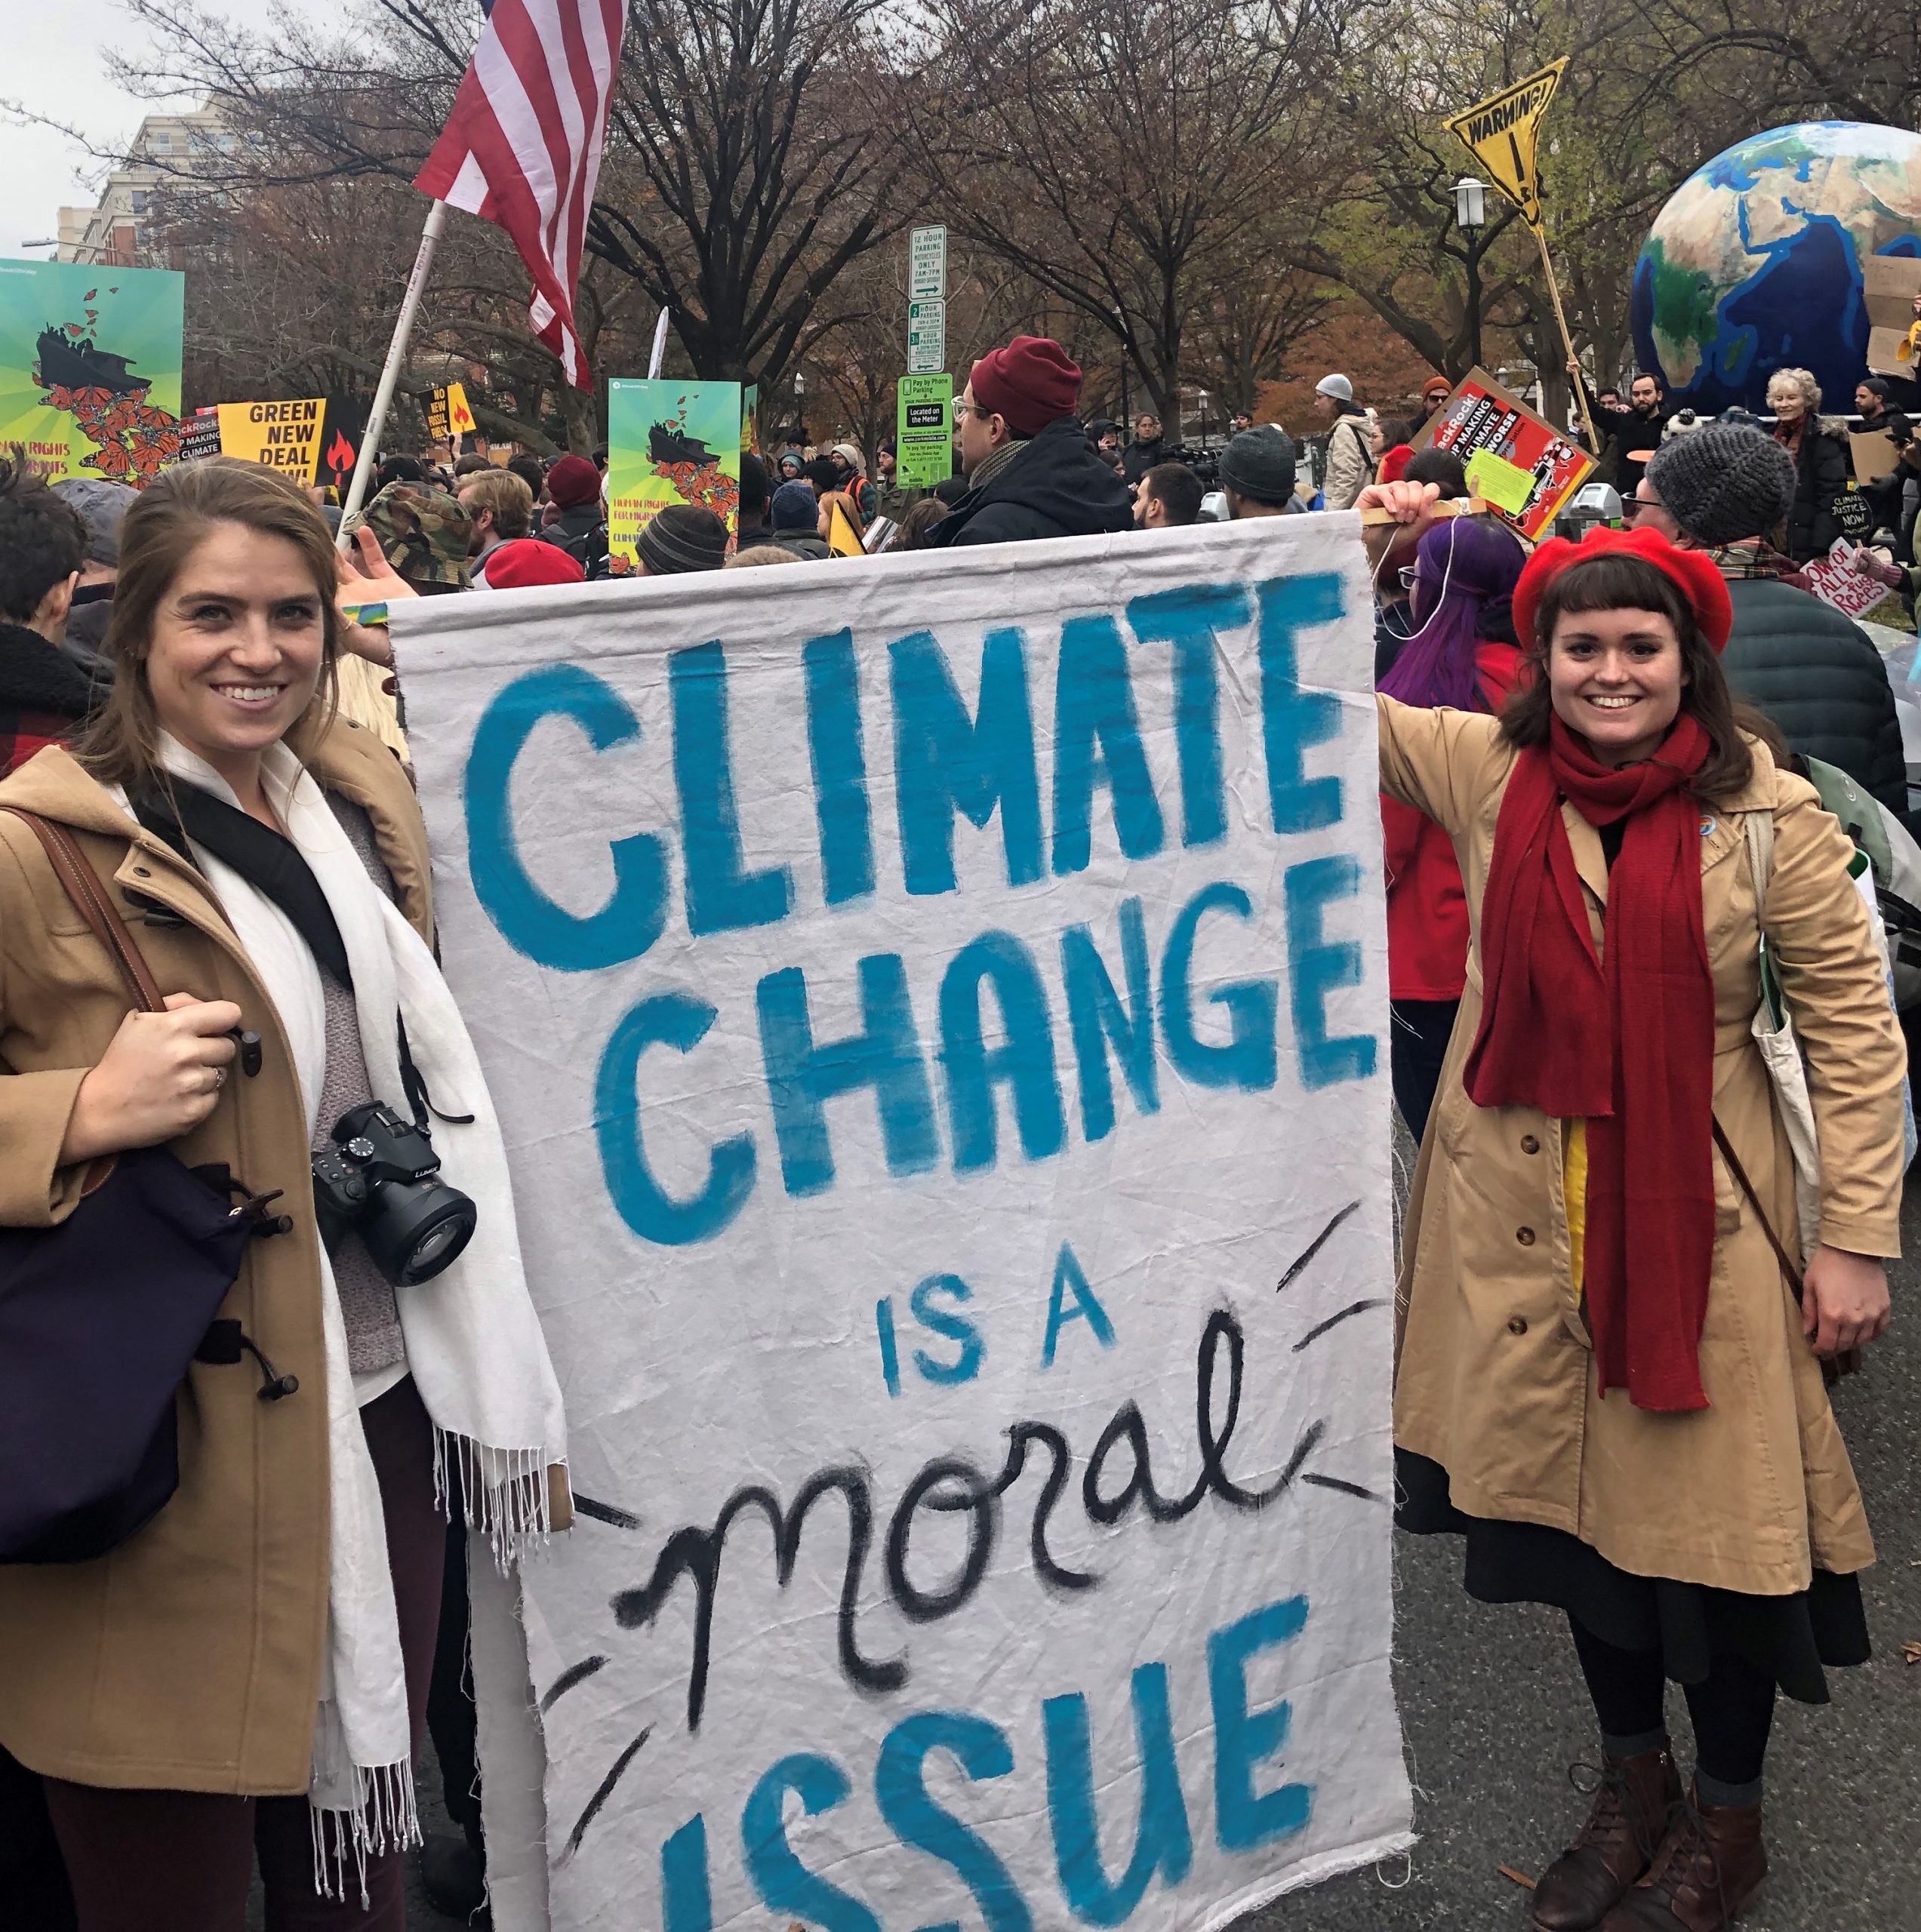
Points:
(1755, 265)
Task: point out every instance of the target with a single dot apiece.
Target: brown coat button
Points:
(1529, 1145)
(1525, 1236)
(1518, 1326)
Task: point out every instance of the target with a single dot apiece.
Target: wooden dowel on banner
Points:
(1445, 506)
(1567, 341)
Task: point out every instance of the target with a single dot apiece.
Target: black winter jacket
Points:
(1822, 470)
(1056, 487)
(1138, 458)
(1632, 433)
(807, 544)
(1817, 675)
(581, 531)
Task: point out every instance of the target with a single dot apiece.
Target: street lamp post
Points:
(1471, 216)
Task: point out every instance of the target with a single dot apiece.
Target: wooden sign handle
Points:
(1444, 506)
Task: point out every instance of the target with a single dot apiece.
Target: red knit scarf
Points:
(1629, 1048)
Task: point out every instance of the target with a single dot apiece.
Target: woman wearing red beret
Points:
(1606, 1382)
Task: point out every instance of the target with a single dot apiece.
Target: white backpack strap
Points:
(1781, 1054)
(1760, 829)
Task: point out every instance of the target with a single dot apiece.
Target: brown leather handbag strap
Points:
(1790, 1273)
(1832, 1368)
(95, 905)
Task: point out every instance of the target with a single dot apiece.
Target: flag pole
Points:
(655, 360)
(403, 329)
(1567, 340)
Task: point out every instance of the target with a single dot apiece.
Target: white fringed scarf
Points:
(474, 1345)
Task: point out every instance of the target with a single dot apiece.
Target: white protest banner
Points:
(936, 1007)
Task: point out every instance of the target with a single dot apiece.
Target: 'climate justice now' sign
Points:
(937, 1009)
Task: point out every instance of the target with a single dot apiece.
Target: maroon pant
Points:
(182, 1861)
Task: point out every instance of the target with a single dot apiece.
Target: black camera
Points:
(381, 1179)
(1205, 464)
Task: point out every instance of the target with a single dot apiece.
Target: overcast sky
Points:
(56, 64)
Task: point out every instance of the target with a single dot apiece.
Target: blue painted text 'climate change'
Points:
(1131, 1013)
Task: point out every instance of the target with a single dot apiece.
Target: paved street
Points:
(1495, 1712)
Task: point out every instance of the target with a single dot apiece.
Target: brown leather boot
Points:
(1705, 1875)
(1633, 1803)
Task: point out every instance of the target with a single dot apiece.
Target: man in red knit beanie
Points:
(573, 488)
(1026, 458)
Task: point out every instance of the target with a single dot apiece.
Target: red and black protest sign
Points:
(1482, 415)
(341, 432)
(200, 435)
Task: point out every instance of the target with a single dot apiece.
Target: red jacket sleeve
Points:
(1400, 835)
(1500, 668)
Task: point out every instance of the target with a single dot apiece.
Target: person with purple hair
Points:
(1462, 654)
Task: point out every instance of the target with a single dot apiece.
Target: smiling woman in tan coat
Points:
(245, 1676)
(1605, 1382)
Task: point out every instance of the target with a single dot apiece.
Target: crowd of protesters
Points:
(1553, 720)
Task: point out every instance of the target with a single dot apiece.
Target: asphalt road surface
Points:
(1494, 1713)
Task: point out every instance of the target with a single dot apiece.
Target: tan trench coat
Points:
(189, 1659)
(1495, 1378)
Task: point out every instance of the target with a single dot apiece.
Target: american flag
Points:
(522, 148)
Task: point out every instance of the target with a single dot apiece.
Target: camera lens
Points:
(435, 1242)
(414, 1229)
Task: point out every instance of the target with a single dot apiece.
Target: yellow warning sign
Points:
(459, 418)
(1502, 131)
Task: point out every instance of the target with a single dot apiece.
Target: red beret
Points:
(529, 560)
(1031, 382)
(1692, 573)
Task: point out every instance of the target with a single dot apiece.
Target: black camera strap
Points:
(415, 1081)
(274, 864)
(267, 861)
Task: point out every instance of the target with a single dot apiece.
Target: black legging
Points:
(1418, 1035)
(452, 1720)
(1733, 1708)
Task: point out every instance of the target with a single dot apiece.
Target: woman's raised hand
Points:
(1410, 507)
(1845, 1304)
(1406, 503)
(367, 578)
(161, 1076)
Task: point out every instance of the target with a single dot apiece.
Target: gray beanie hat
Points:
(101, 505)
(680, 537)
(1260, 463)
(1724, 482)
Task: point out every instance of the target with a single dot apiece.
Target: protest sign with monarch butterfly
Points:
(90, 368)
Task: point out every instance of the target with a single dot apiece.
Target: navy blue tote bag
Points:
(101, 1316)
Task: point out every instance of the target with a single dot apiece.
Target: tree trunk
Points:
(578, 412)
